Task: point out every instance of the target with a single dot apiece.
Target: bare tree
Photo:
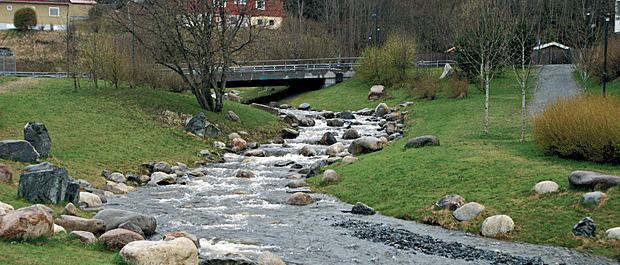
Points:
(481, 46)
(196, 39)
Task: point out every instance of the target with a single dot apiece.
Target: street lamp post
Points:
(377, 28)
(607, 19)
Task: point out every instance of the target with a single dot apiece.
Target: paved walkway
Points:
(553, 81)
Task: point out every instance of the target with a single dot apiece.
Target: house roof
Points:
(551, 44)
(84, 2)
(58, 2)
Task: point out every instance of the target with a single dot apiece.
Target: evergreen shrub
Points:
(25, 19)
(583, 127)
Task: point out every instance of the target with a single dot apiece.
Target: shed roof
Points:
(551, 44)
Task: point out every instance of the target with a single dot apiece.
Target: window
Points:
(241, 2)
(9, 7)
(260, 5)
(272, 22)
(54, 12)
(259, 21)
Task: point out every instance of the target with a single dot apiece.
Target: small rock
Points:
(451, 202)
(363, 209)
(376, 92)
(196, 125)
(161, 178)
(306, 122)
(6, 175)
(350, 160)
(106, 173)
(300, 199)
(351, 134)
(162, 167)
(232, 97)
(211, 130)
(232, 136)
(330, 176)
(585, 227)
(304, 106)
(592, 197)
(145, 178)
(5, 208)
(468, 211)
(133, 178)
(233, 117)
(116, 239)
(381, 110)
(335, 123)
(117, 177)
(38, 167)
(193, 238)
(347, 115)
(244, 173)
(497, 224)
(84, 236)
(205, 153)
(289, 133)
(89, 200)
(59, 229)
(328, 139)
(546, 187)
(118, 188)
(296, 183)
(613, 233)
(290, 119)
(365, 145)
(255, 153)
(307, 151)
(69, 210)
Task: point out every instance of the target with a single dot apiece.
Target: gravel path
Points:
(553, 81)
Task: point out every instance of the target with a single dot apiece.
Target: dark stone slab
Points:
(49, 186)
(36, 134)
(18, 150)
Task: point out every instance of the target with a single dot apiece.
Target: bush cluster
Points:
(426, 85)
(613, 61)
(581, 128)
(457, 87)
(25, 19)
(389, 64)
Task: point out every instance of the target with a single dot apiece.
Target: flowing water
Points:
(249, 216)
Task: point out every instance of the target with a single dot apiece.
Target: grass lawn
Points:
(495, 170)
(113, 129)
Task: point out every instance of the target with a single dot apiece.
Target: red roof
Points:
(57, 2)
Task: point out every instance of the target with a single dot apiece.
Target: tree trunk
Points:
(486, 104)
(523, 113)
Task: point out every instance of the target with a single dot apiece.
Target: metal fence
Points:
(8, 62)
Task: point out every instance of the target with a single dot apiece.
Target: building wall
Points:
(44, 20)
(269, 22)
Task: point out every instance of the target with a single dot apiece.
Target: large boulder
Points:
(18, 150)
(6, 175)
(28, 222)
(585, 227)
(328, 139)
(74, 223)
(468, 211)
(591, 180)
(88, 199)
(300, 199)
(116, 239)
(450, 202)
(350, 134)
(365, 145)
(381, 110)
(197, 124)
(179, 250)
(114, 217)
(36, 134)
(421, 141)
(49, 186)
(546, 187)
(497, 224)
(376, 92)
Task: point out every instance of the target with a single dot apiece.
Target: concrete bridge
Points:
(309, 73)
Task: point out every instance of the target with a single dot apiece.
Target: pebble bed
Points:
(409, 241)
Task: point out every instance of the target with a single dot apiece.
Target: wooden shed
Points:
(552, 53)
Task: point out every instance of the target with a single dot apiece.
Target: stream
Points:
(249, 215)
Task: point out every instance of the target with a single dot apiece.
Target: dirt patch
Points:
(19, 84)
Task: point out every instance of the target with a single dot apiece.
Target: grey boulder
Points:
(18, 150)
(38, 167)
(363, 209)
(591, 180)
(450, 202)
(468, 211)
(36, 134)
(585, 227)
(115, 217)
(49, 186)
(365, 145)
(197, 124)
(421, 141)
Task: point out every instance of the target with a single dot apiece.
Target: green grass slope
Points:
(495, 170)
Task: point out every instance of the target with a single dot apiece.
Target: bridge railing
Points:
(339, 64)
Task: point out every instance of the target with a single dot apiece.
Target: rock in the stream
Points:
(118, 188)
(306, 122)
(497, 224)
(296, 183)
(334, 149)
(132, 227)
(49, 186)
(585, 227)
(381, 110)
(328, 138)
(468, 211)
(176, 251)
(84, 236)
(591, 180)
(289, 133)
(114, 217)
(36, 134)
(255, 153)
(244, 173)
(161, 178)
(346, 115)
(300, 199)
(335, 123)
(116, 239)
(193, 238)
(351, 134)
(363, 209)
(27, 222)
(18, 150)
(268, 258)
(451, 202)
(290, 119)
(307, 151)
(74, 223)
(365, 145)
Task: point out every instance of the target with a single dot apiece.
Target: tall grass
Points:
(583, 127)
